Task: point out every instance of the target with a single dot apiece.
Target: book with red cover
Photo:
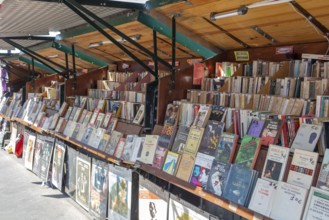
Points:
(271, 132)
(198, 73)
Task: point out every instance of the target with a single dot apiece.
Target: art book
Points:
(271, 132)
(209, 142)
(201, 169)
(70, 171)
(239, 183)
(307, 137)
(218, 177)
(202, 117)
(255, 128)
(180, 139)
(58, 164)
(193, 140)
(172, 113)
(119, 204)
(226, 147)
(317, 206)
(83, 181)
(248, 151)
(323, 180)
(46, 155)
(262, 198)
(149, 149)
(159, 157)
(29, 153)
(180, 209)
(167, 136)
(185, 166)
(99, 189)
(153, 201)
(302, 168)
(275, 163)
(170, 163)
(288, 197)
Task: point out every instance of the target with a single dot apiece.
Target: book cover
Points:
(275, 163)
(307, 137)
(323, 179)
(83, 182)
(171, 116)
(212, 133)
(288, 197)
(198, 73)
(68, 113)
(119, 148)
(218, 177)
(167, 136)
(180, 209)
(170, 163)
(99, 120)
(119, 204)
(262, 198)
(238, 184)
(46, 155)
(248, 151)
(201, 169)
(114, 140)
(152, 201)
(159, 157)
(202, 116)
(87, 135)
(180, 139)
(70, 171)
(87, 118)
(255, 128)
(138, 148)
(317, 206)
(29, 152)
(149, 149)
(226, 147)
(37, 155)
(58, 164)
(99, 189)
(218, 113)
(139, 117)
(302, 168)
(104, 142)
(107, 120)
(185, 166)
(271, 131)
(193, 140)
(128, 148)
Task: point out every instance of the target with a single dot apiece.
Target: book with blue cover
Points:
(217, 178)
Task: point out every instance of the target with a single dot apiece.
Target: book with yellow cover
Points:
(185, 166)
(193, 140)
(149, 147)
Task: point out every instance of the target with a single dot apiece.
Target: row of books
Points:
(309, 68)
(120, 77)
(128, 96)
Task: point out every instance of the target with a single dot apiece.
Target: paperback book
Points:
(193, 140)
(226, 147)
(149, 149)
(201, 170)
(323, 180)
(255, 128)
(248, 151)
(271, 132)
(307, 137)
(317, 206)
(211, 136)
(170, 163)
(218, 177)
(180, 139)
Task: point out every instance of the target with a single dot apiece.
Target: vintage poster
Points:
(29, 152)
(58, 163)
(83, 182)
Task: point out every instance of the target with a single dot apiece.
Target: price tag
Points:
(233, 207)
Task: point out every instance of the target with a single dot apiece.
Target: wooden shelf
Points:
(5, 117)
(198, 191)
(33, 127)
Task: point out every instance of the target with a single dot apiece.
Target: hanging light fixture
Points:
(121, 40)
(240, 11)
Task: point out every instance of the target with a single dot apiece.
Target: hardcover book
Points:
(238, 184)
(255, 128)
(83, 182)
(218, 177)
(170, 163)
(275, 163)
(248, 151)
(46, 155)
(307, 137)
(209, 142)
(99, 189)
(58, 164)
(180, 139)
(271, 132)
(193, 140)
(153, 201)
(149, 149)
(226, 147)
(185, 166)
(262, 197)
(70, 171)
(317, 206)
(302, 168)
(201, 169)
(323, 180)
(288, 197)
(119, 204)
(29, 153)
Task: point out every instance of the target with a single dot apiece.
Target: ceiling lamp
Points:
(244, 9)
(121, 40)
